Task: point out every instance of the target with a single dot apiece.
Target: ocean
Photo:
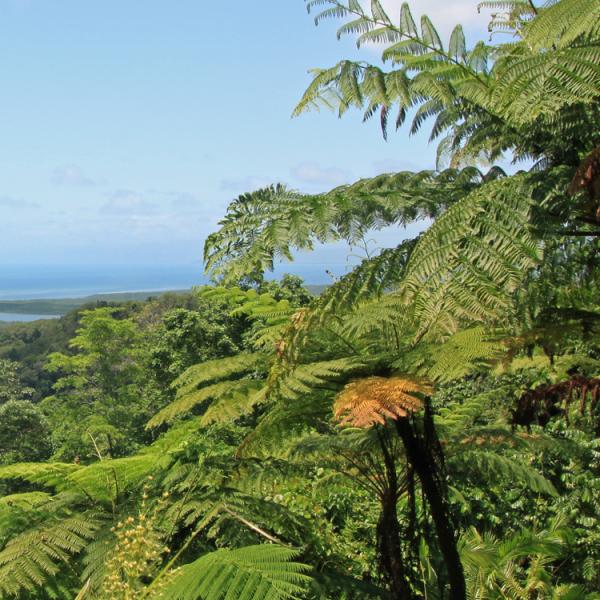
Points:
(31, 282)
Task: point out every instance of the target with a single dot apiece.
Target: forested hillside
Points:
(427, 427)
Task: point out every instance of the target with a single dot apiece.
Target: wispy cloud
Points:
(248, 183)
(313, 174)
(16, 203)
(127, 203)
(395, 166)
(72, 175)
(184, 201)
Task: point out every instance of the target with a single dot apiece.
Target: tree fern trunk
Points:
(390, 551)
(389, 546)
(422, 452)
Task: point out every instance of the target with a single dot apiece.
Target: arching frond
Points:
(305, 378)
(269, 224)
(233, 405)
(108, 480)
(562, 23)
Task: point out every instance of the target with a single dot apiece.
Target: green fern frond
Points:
(466, 267)
(465, 352)
(224, 391)
(95, 557)
(285, 421)
(563, 23)
(455, 419)
(250, 573)
(110, 480)
(48, 474)
(492, 466)
(233, 405)
(307, 377)
(25, 500)
(29, 559)
(272, 223)
(214, 371)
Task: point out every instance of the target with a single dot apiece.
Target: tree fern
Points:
(485, 98)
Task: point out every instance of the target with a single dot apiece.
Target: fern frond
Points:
(48, 474)
(463, 353)
(29, 559)
(285, 421)
(250, 573)
(305, 378)
(215, 370)
(454, 420)
(371, 401)
(466, 267)
(496, 466)
(271, 223)
(110, 479)
(563, 23)
(233, 405)
(224, 391)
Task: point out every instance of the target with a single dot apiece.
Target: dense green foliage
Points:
(427, 427)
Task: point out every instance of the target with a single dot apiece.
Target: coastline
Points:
(32, 309)
(57, 307)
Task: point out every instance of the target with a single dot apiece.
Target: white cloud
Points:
(314, 175)
(71, 175)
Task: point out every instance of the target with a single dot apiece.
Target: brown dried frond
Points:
(587, 178)
(369, 401)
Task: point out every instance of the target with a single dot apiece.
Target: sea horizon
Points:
(37, 282)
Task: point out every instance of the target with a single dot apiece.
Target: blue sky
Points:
(127, 126)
